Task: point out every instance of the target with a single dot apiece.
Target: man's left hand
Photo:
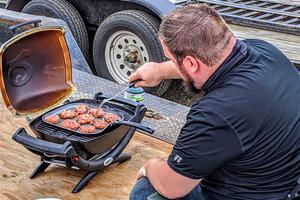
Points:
(143, 171)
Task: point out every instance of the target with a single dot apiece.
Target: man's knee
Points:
(142, 189)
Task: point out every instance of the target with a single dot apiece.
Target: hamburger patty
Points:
(70, 124)
(67, 114)
(100, 123)
(110, 117)
(87, 129)
(85, 119)
(96, 112)
(53, 119)
(81, 109)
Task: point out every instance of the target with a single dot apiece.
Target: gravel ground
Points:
(177, 94)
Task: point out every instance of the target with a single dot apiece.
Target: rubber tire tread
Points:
(67, 12)
(165, 84)
(153, 25)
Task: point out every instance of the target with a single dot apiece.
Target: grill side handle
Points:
(42, 147)
(35, 22)
(135, 125)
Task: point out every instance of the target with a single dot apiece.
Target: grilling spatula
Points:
(130, 85)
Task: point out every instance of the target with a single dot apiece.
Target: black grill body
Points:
(91, 152)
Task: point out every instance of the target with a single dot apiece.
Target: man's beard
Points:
(188, 83)
(188, 86)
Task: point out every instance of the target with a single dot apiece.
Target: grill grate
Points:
(262, 14)
(42, 127)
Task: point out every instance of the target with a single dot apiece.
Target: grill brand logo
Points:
(107, 161)
(177, 158)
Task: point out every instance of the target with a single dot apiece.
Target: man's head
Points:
(197, 40)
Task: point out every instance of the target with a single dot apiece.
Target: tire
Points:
(63, 10)
(133, 30)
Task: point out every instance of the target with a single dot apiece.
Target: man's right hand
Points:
(150, 74)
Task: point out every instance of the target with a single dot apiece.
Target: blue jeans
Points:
(143, 189)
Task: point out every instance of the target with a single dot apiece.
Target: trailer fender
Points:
(160, 8)
(16, 5)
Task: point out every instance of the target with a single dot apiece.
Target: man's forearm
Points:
(166, 181)
(171, 71)
(155, 175)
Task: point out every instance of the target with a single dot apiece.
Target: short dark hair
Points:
(196, 30)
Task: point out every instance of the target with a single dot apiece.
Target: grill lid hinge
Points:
(29, 118)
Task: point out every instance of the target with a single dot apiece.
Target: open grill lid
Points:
(36, 72)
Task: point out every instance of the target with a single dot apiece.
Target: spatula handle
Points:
(130, 85)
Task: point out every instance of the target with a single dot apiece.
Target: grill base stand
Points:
(123, 157)
(90, 175)
(39, 169)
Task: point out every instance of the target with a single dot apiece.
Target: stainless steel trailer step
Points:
(267, 15)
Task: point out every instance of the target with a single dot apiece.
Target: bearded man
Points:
(241, 140)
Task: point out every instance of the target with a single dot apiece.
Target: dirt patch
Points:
(177, 94)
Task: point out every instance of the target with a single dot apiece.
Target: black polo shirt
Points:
(243, 137)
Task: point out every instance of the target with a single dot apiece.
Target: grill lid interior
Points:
(35, 70)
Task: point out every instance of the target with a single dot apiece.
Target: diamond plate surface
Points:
(166, 129)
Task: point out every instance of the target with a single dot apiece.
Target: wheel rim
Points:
(124, 53)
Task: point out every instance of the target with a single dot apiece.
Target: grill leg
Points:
(39, 169)
(90, 175)
(84, 181)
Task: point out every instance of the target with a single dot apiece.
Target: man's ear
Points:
(192, 64)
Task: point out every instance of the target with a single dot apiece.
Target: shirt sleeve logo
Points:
(177, 159)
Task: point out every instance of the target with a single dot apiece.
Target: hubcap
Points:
(124, 53)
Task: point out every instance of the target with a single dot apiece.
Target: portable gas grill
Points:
(36, 77)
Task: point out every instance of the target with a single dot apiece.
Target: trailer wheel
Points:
(62, 9)
(123, 42)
